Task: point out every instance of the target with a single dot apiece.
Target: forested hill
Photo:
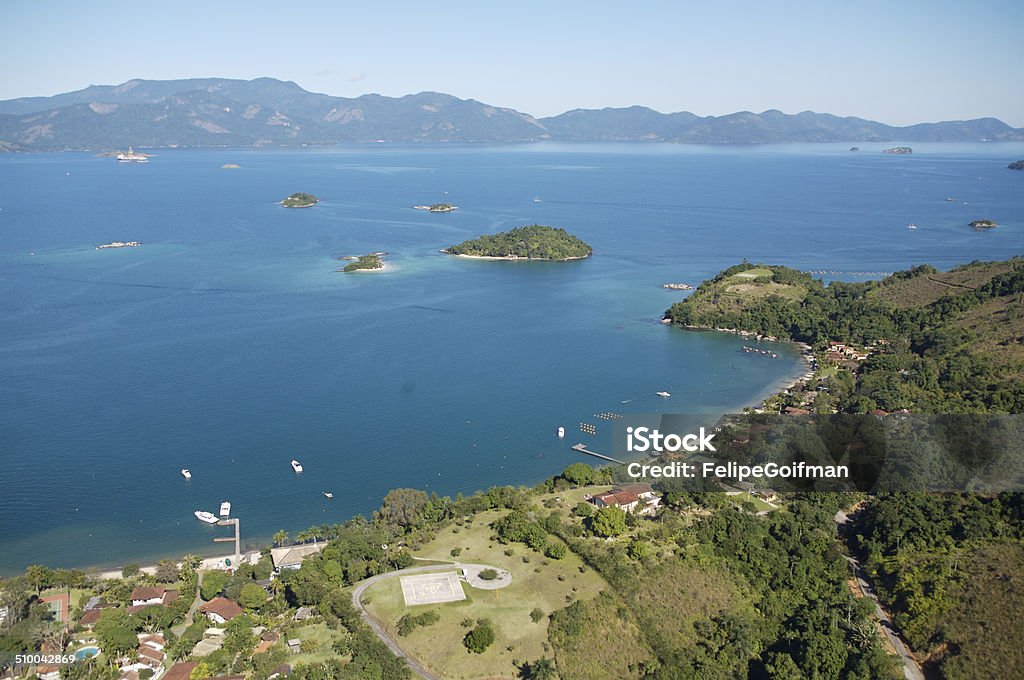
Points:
(938, 342)
(535, 242)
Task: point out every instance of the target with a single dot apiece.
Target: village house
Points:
(180, 671)
(291, 557)
(149, 656)
(220, 610)
(145, 596)
(636, 498)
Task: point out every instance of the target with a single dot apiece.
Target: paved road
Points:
(911, 670)
(357, 596)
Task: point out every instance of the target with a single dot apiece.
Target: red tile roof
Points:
(223, 607)
(90, 617)
(148, 593)
(180, 671)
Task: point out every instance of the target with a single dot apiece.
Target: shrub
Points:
(488, 574)
(537, 614)
(408, 623)
(584, 509)
(455, 552)
(556, 551)
(480, 638)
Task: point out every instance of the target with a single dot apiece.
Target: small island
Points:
(437, 207)
(370, 262)
(120, 244)
(854, 148)
(535, 242)
(1016, 165)
(300, 200)
(230, 166)
(983, 224)
(899, 149)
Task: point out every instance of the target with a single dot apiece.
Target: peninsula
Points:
(534, 242)
(437, 207)
(300, 200)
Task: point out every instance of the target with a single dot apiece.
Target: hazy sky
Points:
(899, 62)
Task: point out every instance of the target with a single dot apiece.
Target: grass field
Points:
(593, 639)
(324, 638)
(923, 290)
(539, 583)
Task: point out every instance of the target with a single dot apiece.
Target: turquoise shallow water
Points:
(228, 344)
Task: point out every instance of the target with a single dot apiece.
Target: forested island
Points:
(983, 224)
(1016, 165)
(368, 262)
(300, 200)
(534, 242)
(437, 207)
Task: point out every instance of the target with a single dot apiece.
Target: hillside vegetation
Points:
(941, 342)
(535, 242)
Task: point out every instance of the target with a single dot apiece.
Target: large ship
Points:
(132, 157)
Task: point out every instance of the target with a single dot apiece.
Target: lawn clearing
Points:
(539, 583)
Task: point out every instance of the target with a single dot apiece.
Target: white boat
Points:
(561, 432)
(664, 394)
(328, 494)
(185, 473)
(911, 226)
(225, 509)
(296, 465)
(204, 516)
(131, 157)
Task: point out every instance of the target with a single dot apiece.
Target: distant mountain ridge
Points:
(205, 112)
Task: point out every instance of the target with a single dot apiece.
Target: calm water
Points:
(227, 343)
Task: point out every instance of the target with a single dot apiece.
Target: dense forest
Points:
(535, 242)
(950, 568)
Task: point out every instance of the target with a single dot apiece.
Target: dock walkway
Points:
(583, 449)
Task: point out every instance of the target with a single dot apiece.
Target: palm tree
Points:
(302, 536)
(543, 669)
(280, 538)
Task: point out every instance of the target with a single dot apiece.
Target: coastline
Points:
(513, 258)
(804, 352)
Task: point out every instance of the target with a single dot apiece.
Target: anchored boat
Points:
(204, 516)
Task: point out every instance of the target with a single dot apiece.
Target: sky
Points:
(901, 62)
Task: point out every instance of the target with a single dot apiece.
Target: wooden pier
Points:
(583, 449)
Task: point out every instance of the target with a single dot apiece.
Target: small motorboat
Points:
(225, 509)
(204, 516)
(328, 494)
(297, 466)
(185, 473)
(664, 394)
(561, 432)
(911, 226)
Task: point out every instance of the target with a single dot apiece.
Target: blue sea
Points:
(228, 344)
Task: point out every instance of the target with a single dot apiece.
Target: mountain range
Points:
(209, 112)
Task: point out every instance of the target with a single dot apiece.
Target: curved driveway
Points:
(357, 596)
